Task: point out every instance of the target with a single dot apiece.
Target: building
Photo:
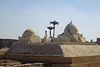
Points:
(69, 49)
(70, 34)
(28, 37)
(98, 41)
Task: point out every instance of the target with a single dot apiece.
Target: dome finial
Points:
(71, 22)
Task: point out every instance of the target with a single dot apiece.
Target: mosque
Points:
(70, 34)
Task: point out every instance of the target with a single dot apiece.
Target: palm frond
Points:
(54, 22)
(50, 28)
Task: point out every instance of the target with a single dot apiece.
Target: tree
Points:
(50, 28)
(54, 23)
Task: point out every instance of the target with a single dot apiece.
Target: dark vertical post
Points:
(45, 33)
(53, 31)
(50, 33)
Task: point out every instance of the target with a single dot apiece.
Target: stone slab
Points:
(41, 59)
(85, 59)
(88, 64)
(60, 65)
(80, 50)
(36, 50)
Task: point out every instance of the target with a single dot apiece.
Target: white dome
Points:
(70, 29)
(29, 32)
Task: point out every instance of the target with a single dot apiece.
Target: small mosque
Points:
(29, 36)
(70, 34)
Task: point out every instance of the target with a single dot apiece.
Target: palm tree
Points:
(50, 28)
(54, 23)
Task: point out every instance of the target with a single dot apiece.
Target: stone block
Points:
(60, 65)
(87, 64)
(80, 65)
(97, 64)
(85, 59)
(97, 58)
(44, 59)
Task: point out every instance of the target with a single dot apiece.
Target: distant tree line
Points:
(50, 27)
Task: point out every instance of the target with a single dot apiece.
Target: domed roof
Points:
(70, 29)
(29, 32)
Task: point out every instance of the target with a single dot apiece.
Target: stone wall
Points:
(6, 42)
(91, 64)
(89, 61)
(98, 41)
(41, 59)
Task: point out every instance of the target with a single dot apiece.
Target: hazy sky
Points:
(18, 15)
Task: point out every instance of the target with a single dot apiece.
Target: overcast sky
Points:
(18, 15)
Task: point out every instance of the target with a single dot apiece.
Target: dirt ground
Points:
(11, 63)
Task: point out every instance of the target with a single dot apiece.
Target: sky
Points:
(18, 15)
